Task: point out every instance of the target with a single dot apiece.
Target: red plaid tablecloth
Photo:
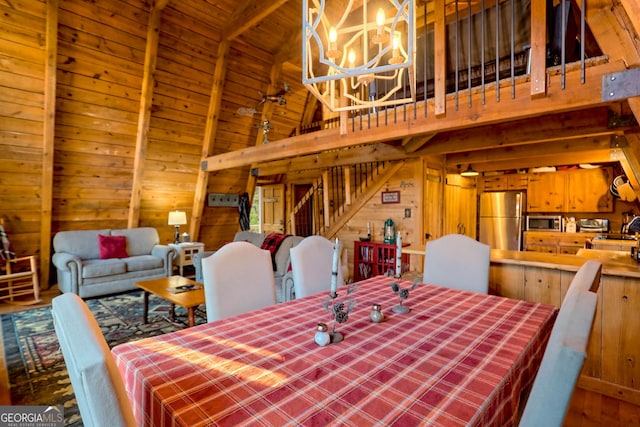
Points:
(458, 358)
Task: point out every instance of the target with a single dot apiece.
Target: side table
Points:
(186, 251)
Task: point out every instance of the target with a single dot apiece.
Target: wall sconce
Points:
(469, 172)
(177, 218)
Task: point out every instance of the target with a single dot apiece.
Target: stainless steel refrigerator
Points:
(501, 219)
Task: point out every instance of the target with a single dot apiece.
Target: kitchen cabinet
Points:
(582, 190)
(553, 242)
(460, 206)
(588, 190)
(546, 192)
(507, 182)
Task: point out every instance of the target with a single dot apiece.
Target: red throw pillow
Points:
(112, 246)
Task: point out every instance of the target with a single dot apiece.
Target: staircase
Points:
(337, 195)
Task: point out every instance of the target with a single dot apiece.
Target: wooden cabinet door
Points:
(494, 183)
(588, 190)
(461, 206)
(546, 192)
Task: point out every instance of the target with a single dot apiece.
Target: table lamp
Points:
(177, 218)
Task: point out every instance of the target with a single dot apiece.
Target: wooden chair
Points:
(311, 264)
(18, 276)
(96, 381)
(237, 278)
(564, 356)
(459, 262)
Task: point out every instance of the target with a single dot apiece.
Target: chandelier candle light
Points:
(334, 269)
(398, 255)
(355, 59)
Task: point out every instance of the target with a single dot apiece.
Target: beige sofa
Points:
(81, 269)
(281, 257)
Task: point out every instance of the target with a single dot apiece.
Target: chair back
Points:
(459, 262)
(565, 353)
(237, 278)
(96, 381)
(311, 265)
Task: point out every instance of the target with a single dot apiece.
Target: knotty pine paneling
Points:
(22, 59)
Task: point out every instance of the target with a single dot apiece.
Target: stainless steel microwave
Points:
(544, 222)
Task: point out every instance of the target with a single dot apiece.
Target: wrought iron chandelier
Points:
(360, 57)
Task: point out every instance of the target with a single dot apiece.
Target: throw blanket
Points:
(272, 243)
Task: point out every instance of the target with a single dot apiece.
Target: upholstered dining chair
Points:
(96, 381)
(565, 353)
(311, 264)
(457, 261)
(237, 278)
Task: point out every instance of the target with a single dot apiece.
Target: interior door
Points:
(273, 208)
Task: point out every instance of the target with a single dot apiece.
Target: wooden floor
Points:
(587, 409)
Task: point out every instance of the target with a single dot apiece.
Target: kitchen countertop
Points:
(615, 263)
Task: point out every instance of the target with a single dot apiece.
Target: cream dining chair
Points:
(311, 264)
(96, 381)
(564, 356)
(459, 262)
(237, 278)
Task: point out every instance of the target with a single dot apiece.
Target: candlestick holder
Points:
(339, 311)
(403, 294)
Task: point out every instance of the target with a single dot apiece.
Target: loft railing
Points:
(487, 50)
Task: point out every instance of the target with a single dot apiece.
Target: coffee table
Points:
(188, 299)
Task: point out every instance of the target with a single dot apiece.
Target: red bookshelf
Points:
(372, 259)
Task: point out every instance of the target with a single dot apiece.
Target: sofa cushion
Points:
(81, 243)
(102, 267)
(140, 241)
(112, 246)
(143, 262)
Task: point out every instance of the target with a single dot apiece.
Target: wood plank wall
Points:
(407, 182)
(22, 72)
(100, 63)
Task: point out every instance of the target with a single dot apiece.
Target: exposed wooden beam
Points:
(594, 156)
(629, 147)
(412, 144)
(254, 12)
(326, 159)
(562, 151)
(144, 114)
(210, 129)
(48, 140)
(534, 130)
(576, 96)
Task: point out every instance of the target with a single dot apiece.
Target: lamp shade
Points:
(177, 218)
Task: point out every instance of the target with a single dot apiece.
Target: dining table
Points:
(457, 358)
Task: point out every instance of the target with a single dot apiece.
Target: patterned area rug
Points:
(36, 369)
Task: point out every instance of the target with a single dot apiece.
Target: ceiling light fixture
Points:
(354, 58)
(469, 172)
